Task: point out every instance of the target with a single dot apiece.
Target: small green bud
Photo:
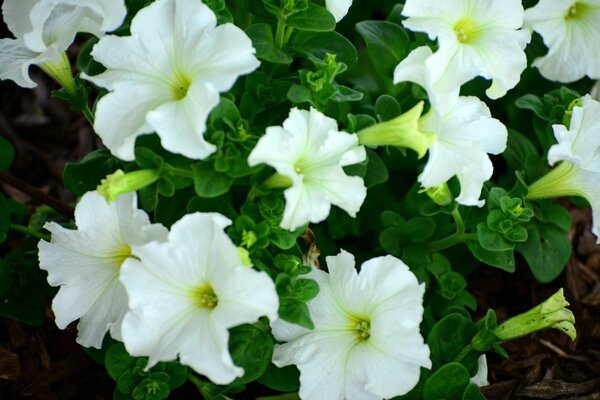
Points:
(440, 194)
(569, 113)
(119, 182)
(552, 313)
(244, 256)
(248, 238)
(402, 131)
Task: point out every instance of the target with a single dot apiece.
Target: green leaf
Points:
(85, 175)
(4, 218)
(492, 241)
(208, 182)
(387, 44)
(546, 251)
(117, 361)
(286, 379)
(448, 383)
(448, 337)
(295, 312)
(500, 259)
(7, 153)
(387, 107)
(472, 392)
(262, 40)
(299, 94)
(251, 348)
(170, 209)
(315, 19)
(377, 172)
(533, 103)
(317, 45)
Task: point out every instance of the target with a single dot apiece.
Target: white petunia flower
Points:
(570, 29)
(366, 342)
(479, 37)
(578, 151)
(85, 263)
(166, 77)
(464, 130)
(44, 29)
(595, 91)
(339, 8)
(186, 293)
(309, 151)
(465, 135)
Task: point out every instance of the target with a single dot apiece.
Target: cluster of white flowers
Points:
(159, 292)
(166, 296)
(171, 294)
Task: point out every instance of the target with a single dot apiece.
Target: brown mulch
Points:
(45, 363)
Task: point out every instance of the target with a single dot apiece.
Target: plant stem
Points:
(463, 353)
(179, 171)
(37, 194)
(280, 32)
(455, 238)
(28, 231)
(89, 115)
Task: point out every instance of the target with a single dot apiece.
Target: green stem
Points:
(28, 231)
(463, 353)
(178, 171)
(455, 238)
(288, 34)
(89, 115)
(280, 32)
(197, 381)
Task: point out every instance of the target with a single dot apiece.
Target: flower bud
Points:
(402, 131)
(552, 313)
(119, 182)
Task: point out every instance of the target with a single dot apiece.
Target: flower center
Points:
(466, 31)
(181, 85)
(363, 329)
(576, 10)
(205, 297)
(121, 253)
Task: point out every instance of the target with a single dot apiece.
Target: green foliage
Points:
(133, 382)
(7, 153)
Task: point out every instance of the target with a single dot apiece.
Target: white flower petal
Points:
(16, 15)
(339, 8)
(15, 60)
(181, 124)
(376, 371)
(580, 143)
(121, 118)
(480, 378)
(57, 22)
(414, 69)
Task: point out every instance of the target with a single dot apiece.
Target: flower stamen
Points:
(363, 328)
(466, 31)
(205, 297)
